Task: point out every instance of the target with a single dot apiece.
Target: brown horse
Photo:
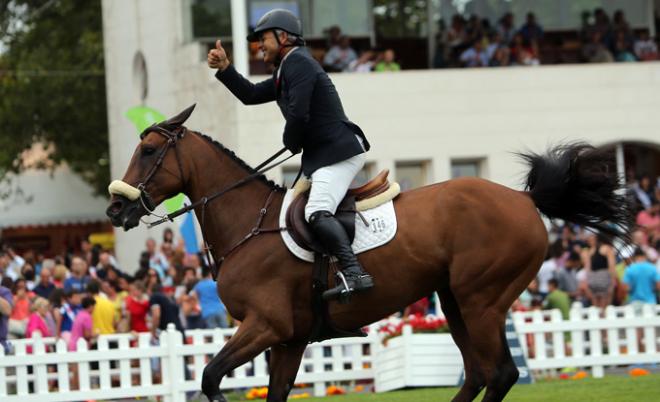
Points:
(477, 243)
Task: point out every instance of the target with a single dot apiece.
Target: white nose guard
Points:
(118, 187)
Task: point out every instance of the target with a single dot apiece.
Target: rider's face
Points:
(269, 45)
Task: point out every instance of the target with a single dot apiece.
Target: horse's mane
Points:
(262, 178)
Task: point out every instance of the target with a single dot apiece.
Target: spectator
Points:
(136, 305)
(37, 320)
(214, 312)
(641, 279)
(79, 278)
(364, 64)
(524, 53)
(45, 286)
(623, 48)
(595, 51)
(168, 236)
(506, 28)
(157, 260)
(21, 310)
(59, 275)
(475, 55)
(621, 25)
(27, 273)
(6, 305)
(455, 40)
(645, 48)
(649, 219)
(68, 311)
(113, 294)
(105, 265)
(549, 267)
(599, 262)
(83, 327)
(531, 31)
(163, 311)
(566, 275)
(645, 192)
(340, 56)
(10, 264)
(56, 300)
(334, 36)
(190, 309)
(105, 315)
(388, 63)
(557, 299)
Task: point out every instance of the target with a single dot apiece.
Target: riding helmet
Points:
(276, 19)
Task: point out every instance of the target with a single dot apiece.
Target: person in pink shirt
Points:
(82, 324)
(37, 320)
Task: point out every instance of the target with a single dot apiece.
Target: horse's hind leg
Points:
(486, 328)
(474, 377)
(251, 339)
(283, 367)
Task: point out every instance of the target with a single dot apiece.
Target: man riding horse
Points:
(333, 147)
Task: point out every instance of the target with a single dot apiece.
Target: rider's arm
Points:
(244, 90)
(300, 78)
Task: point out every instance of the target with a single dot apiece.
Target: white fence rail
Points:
(120, 369)
(125, 366)
(621, 336)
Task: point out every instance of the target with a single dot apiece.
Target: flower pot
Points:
(417, 360)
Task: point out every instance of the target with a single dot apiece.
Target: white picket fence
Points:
(129, 371)
(121, 369)
(621, 336)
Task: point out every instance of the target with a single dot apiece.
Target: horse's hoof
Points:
(217, 398)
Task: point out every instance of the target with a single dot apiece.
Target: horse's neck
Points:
(229, 218)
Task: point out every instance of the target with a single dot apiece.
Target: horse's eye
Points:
(146, 151)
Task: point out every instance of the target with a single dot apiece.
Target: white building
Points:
(424, 125)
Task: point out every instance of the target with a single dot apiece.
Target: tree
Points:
(52, 86)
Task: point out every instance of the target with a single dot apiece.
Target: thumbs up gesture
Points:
(217, 57)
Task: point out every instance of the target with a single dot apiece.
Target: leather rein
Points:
(146, 200)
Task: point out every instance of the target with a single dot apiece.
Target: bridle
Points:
(172, 136)
(171, 140)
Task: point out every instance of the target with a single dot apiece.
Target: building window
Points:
(467, 168)
(210, 19)
(363, 175)
(411, 175)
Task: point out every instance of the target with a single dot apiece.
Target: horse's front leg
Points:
(253, 337)
(283, 366)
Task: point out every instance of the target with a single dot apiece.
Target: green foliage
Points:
(52, 86)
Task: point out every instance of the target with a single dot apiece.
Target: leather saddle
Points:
(299, 228)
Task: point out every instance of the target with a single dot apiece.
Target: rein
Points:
(148, 204)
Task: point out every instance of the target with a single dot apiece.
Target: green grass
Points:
(608, 389)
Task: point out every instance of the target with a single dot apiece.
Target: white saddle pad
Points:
(381, 229)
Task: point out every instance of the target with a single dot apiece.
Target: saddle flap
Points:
(302, 233)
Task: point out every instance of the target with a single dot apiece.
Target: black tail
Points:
(579, 183)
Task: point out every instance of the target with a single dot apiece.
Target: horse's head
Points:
(154, 174)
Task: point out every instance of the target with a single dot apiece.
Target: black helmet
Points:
(276, 19)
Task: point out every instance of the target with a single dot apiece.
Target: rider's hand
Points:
(217, 57)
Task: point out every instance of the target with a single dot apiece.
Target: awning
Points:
(39, 198)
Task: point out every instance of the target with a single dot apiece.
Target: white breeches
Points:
(330, 184)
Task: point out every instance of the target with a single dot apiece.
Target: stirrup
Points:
(342, 292)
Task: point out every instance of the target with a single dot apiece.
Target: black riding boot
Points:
(332, 235)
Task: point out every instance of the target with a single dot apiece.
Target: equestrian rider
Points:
(333, 148)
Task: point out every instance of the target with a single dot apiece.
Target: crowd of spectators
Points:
(586, 268)
(341, 57)
(476, 42)
(86, 294)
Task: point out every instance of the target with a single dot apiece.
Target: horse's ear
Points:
(180, 118)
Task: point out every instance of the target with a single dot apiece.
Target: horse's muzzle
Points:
(124, 212)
